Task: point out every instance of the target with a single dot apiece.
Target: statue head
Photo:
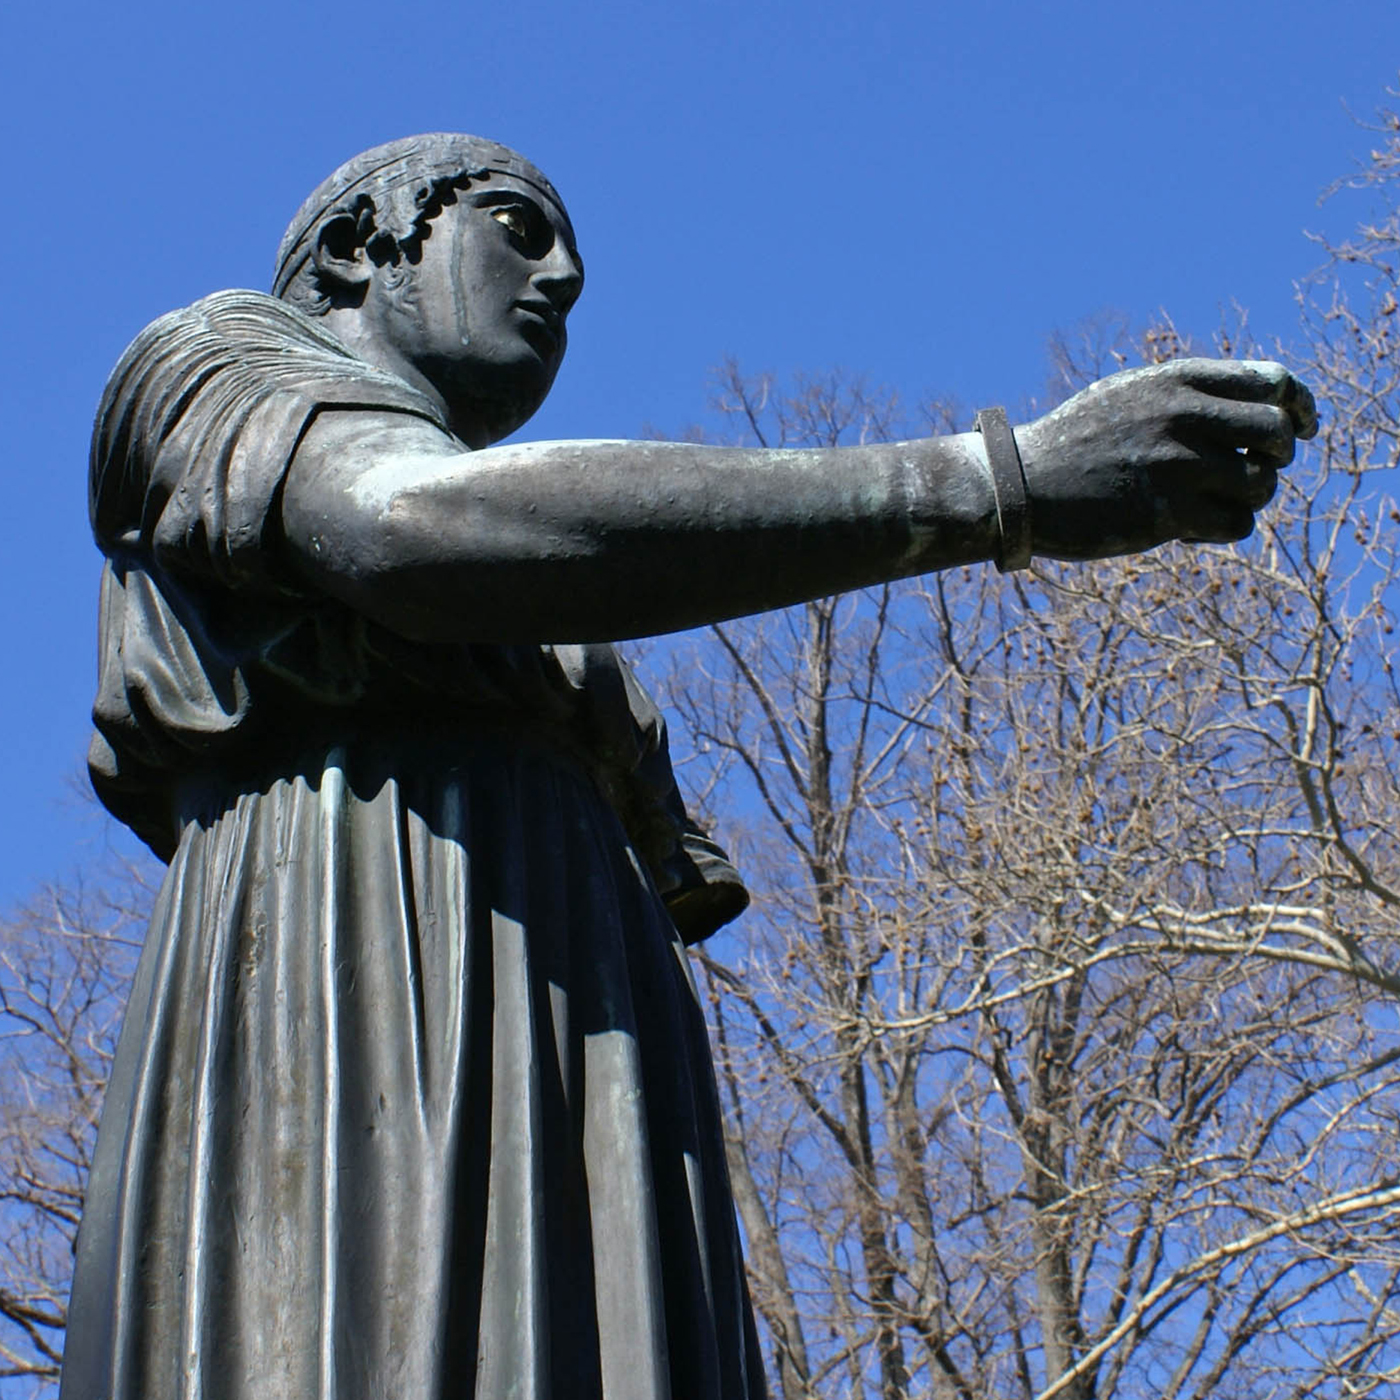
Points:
(447, 259)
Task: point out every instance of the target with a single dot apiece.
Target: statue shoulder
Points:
(207, 371)
(235, 320)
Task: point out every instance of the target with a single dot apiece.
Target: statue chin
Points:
(498, 400)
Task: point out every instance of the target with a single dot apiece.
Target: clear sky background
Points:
(922, 192)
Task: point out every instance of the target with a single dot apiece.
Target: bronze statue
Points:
(414, 1095)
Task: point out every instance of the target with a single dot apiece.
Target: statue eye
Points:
(514, 220)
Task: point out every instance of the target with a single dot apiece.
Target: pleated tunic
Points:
(414, 1096)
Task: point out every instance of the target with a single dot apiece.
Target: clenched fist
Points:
(1187, 450)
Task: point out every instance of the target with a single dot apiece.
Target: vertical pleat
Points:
(515, 1294)
(413, 1099)
(329, 919)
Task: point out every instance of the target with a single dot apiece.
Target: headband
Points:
(404, 183)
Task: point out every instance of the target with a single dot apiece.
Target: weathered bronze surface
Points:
(414, 1096)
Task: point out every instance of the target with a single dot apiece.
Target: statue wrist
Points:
(1013, 503)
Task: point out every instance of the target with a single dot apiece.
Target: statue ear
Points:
(339, 255)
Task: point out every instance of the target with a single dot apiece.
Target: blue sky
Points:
(921, 192)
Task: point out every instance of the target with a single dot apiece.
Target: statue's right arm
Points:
(572, 541)
(602, 540)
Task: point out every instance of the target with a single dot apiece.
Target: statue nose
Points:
(561, 278)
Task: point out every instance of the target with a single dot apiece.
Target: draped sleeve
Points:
(626, 732)
(198, 425)
(195, 432)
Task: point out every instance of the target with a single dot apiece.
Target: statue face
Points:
(482, 316)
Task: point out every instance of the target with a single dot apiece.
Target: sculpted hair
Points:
(383, 201)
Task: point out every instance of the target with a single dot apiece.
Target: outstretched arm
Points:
(593, 540)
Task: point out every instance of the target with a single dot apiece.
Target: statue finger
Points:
(1302, 408)
(1266, 434)
(1216, 501)
(1260, 481)
(1219, 522)
(1254, 381)
(1219, 430)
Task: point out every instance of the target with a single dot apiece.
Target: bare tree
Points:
(1062, 1055)
(65, 965)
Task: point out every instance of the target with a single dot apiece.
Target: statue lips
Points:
(544, 325)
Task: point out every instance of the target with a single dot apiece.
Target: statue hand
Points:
(1186, 450)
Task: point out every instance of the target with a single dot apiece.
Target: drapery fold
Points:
(417, 1102)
